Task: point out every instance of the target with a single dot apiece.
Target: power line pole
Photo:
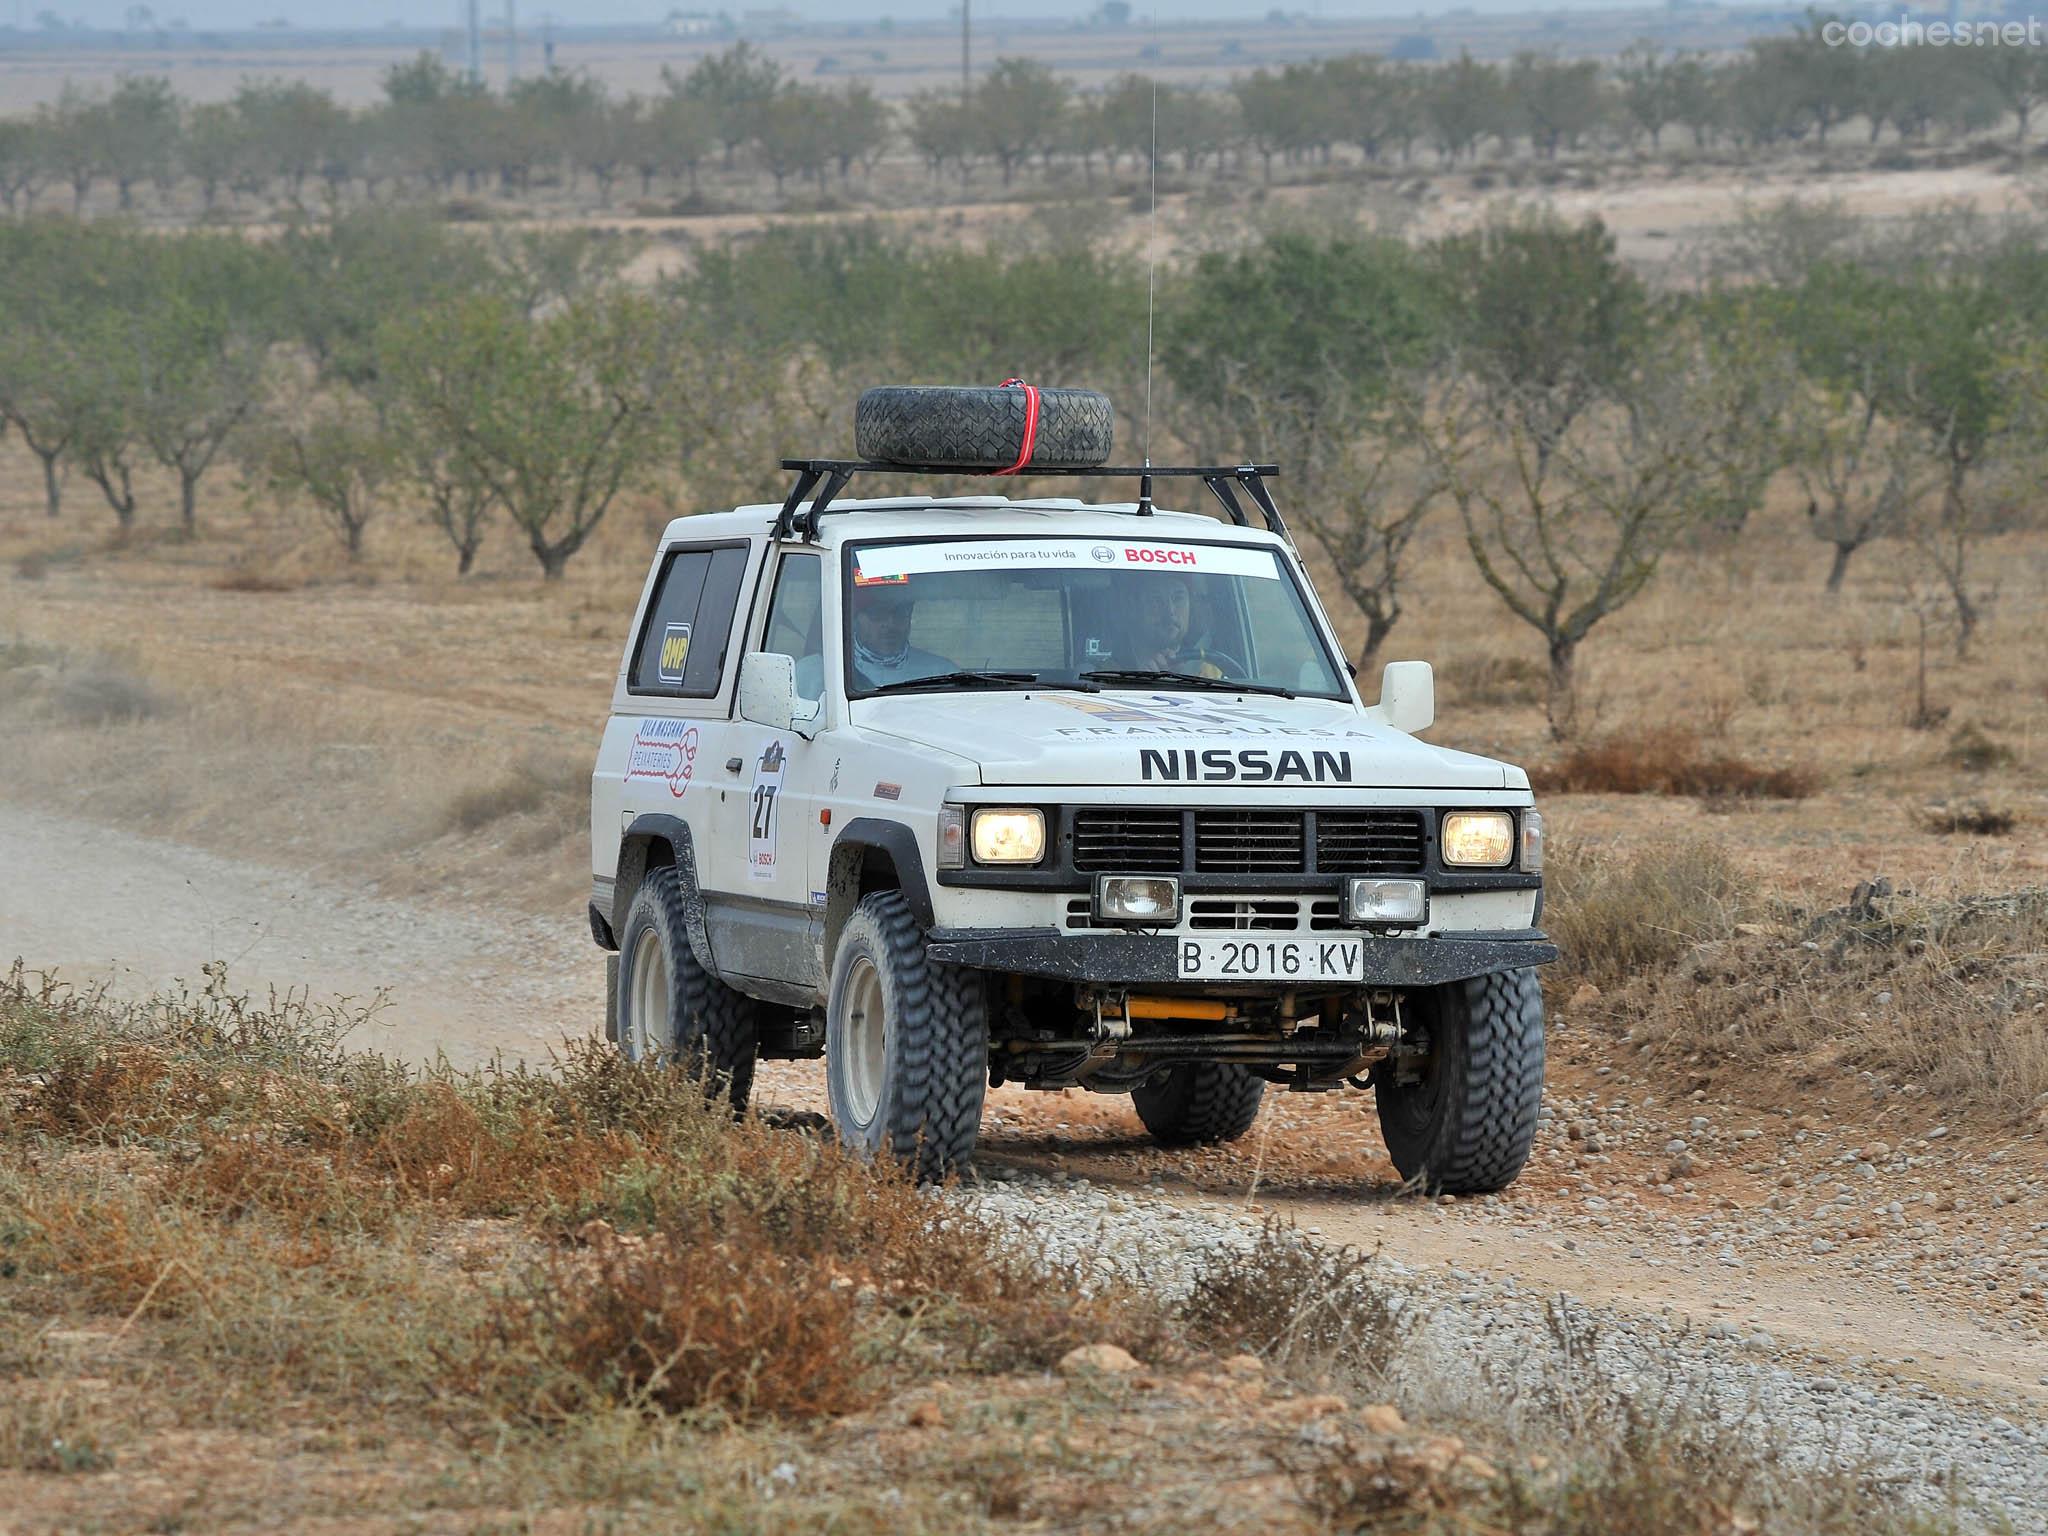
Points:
(966, 66)
(511, 43)
(476, 47)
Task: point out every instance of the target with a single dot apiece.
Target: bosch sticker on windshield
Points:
(1247, 765)
(665, 750)
(899, 562)
(675, 651)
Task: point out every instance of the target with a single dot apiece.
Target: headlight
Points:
(1009, 836)
(1532, 842)
(1478, 838)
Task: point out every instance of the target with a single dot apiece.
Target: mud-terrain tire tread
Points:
(1481, 1136)
(931, 1102)
(1199, 1103)
(715, 1025)
(982, 428)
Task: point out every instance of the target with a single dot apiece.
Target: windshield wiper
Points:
(1184, 680)
(953, 680)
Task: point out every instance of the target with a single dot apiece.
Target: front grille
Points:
(1240, 913)
(1369, 842)
(1149, 840)
(1137, 840)
(1248, 842)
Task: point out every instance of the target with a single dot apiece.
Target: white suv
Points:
(966, 791)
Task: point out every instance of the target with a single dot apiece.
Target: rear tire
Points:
(906, 1044)
(669, 1007)
(1199, 1103)
(1466, 1126)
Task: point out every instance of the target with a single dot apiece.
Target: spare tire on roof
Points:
(983, 429)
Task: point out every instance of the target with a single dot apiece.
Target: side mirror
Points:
(1408, 696)
(768, 690)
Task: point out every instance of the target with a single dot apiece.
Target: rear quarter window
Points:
(683, 643)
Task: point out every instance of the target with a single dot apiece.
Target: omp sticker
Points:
(675, 652)
(665, 750)
(762, 807)
(899, 561)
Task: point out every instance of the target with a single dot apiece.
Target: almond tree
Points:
(557, 414)
(325, 448)
(1567, 526)
(198, 349)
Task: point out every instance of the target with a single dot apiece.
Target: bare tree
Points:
(1859, 471)
(1361, 482)
(1567, 527)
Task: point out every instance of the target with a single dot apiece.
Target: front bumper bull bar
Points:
(1150, 959)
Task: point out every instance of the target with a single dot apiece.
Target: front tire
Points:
(1466, 1125)
(669, 1007)
(1199, 1103)
(906, 1044)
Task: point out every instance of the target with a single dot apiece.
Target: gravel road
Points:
(1472, 1330)
(1923, 1360)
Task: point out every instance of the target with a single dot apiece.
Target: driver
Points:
(1160, 609)
(882, 652)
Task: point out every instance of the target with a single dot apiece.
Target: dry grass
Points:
(553, 788)
(590, 1297)
(1973, 818)
(1312, 1310)
(1949, 994)
(1975, 750)
(1617, 915)
(1478, 680)
(1670, 760)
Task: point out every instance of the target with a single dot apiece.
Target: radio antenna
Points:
(1151, 265)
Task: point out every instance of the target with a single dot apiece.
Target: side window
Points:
(796, 622)
(682, 647)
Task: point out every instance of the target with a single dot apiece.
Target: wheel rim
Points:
(647, 1009)
(865, 1041)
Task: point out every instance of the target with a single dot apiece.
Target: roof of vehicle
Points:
(898, 516)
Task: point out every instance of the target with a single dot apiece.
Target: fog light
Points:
(1153, 900)
(1401, 902)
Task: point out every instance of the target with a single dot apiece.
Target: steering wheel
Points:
(1232, 669)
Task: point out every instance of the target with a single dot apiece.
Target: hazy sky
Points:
(356, 13)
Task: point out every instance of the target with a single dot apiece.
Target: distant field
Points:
(897, 62)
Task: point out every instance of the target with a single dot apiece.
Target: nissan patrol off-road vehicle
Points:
(963, 791)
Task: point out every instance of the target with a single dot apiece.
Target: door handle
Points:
(734, 764)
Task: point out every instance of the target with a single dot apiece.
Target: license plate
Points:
(1271, 959)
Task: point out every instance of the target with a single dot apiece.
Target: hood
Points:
(1160, 739)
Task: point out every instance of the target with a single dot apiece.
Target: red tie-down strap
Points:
(1030, 424)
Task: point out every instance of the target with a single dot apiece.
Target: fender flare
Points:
(633, 848)
(842, 882)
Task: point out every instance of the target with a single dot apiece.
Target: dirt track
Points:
(141, 914)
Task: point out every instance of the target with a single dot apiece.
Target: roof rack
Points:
(823, 479)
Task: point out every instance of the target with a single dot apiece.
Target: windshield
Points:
(1079, 613)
